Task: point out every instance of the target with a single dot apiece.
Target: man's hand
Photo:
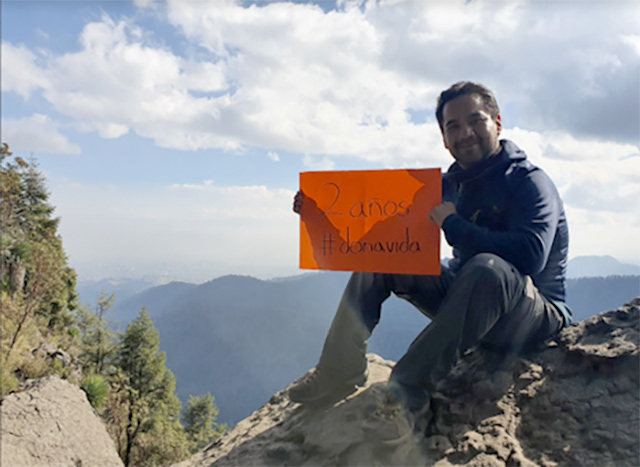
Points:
(297, 202)
(441, 212)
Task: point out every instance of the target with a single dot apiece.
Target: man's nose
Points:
(466, 131)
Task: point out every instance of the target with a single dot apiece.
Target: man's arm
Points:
(534, 215)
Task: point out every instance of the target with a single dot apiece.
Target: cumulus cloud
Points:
(557, 67)
(120, 81)
(20, 72)
(37, 134)
(290, 76)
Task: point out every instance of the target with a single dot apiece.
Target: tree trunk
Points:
(25, 315)
(18, 273)
(127, 452)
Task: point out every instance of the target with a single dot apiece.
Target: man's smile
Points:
(468, 144)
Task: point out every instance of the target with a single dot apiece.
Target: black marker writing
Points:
(404, 245)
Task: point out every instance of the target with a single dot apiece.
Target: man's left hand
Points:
(441, 212)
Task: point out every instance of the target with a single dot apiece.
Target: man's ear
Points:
(444, 140)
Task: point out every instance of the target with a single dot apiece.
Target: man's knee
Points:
(488, 267)
(364, 280)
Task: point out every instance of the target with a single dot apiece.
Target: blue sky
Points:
(172, 133)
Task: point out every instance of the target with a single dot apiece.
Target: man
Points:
(505, 286)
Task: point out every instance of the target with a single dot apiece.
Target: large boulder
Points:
(49, 422)
(573, 402)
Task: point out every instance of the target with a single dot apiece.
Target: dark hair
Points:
(467, 87)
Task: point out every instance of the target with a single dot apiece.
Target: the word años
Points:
(361, 246)
(370, 208)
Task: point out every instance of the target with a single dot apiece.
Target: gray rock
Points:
(49, 422)
(573, 402)
(52, 352)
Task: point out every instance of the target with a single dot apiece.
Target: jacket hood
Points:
(509, 154)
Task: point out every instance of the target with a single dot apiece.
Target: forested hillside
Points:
(46, 330)
(38, 287)
(590, 295)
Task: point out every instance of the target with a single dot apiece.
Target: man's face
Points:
(469, 132)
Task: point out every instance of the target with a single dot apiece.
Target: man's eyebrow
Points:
(477, 113)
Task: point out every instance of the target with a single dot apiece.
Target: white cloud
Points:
(122, 81)
(565, 146)
(273, 156)
(37, 134)
(633, 40)
(292, 85)
(318, 163)
(20, 73)
(287, 76)
(594, 175)
(144, 4)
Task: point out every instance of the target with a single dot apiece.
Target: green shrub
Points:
(74, 331)
(96, 389)
(8, 381)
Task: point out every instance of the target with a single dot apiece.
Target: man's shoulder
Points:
(525, 177)
(521, 167)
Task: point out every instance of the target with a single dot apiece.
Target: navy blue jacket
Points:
(511, 208)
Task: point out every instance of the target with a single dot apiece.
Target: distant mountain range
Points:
(580, 266)
(599, 266)
(243, 339)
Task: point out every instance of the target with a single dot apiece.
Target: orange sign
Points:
(370, 220)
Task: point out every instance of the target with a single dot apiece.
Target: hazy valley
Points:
(243, 339)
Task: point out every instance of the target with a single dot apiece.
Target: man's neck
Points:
(495, 152)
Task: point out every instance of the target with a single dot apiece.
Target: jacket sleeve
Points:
(534, 214)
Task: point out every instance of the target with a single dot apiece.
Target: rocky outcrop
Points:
(49, 422)
(54, 355)
(572, 403)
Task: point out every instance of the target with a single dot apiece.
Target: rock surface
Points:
(51, 352)
(574, 402)
(49, 422)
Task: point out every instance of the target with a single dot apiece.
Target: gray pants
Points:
(487, 301)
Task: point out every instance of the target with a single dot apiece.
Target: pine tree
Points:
(200, 421)
(97, 338)
(146, 404)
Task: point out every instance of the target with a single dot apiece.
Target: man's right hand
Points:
(440, 213)
(297, 202)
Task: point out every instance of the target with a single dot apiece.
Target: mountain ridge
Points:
(599, 266)
(249, 337)
(125, 287)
